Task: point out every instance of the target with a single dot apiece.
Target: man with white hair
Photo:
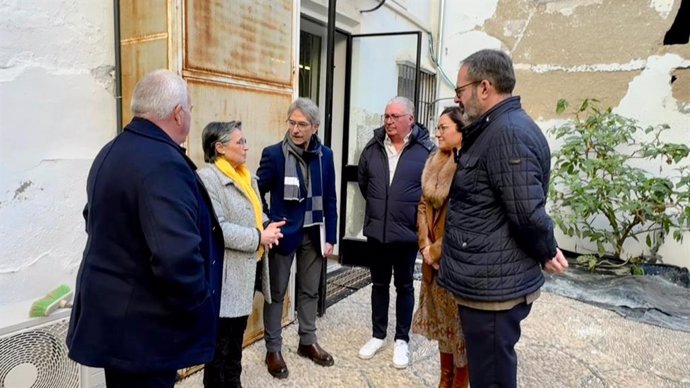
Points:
(390, 179)
(146, 301)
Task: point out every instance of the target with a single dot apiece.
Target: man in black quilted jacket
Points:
(389, 176)
(498, 237)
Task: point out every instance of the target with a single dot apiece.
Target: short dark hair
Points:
(217, 132)
(492, 65)
(455, 115)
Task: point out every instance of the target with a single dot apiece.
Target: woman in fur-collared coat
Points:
(437, 315)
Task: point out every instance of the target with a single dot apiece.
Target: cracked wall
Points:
(57, 109)
(611, 50)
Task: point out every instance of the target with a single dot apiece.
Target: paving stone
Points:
(565, 343)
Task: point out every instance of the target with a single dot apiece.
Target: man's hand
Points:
(556, 265)
(328, 250)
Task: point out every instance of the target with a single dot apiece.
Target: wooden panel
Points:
(255, 324)
(143, 18)
(237, 57)
(246, 39)
(139, 58)
(143, 44)
(263, 114)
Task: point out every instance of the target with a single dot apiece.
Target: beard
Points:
(471, 111)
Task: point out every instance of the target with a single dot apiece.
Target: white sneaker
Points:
(401, 354)
(370, 348)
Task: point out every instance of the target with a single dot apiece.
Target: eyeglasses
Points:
(241, 142)
(298, 124)
(394, 116)
(460, 89)
(441, 128)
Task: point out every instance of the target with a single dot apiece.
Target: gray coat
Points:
(236, 218)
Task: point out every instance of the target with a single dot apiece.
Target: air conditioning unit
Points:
(33, 354)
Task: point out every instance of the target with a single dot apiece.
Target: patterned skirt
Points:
(437, 319)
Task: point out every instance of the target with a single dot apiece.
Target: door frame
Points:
(351, 250)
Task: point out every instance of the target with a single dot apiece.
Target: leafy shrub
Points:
(600, 194)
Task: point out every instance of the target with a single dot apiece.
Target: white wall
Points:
(648, 97)
(56, 111)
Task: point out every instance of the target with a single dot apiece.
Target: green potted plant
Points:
(603, 190)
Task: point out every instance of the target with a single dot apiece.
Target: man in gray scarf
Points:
(299, 174)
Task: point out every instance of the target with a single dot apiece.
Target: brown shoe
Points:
(276, 365)
(315, 353)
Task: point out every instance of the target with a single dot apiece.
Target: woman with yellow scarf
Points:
(235, 198)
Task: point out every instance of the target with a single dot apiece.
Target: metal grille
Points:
(427, 91)
(37, 358)
(345, 281)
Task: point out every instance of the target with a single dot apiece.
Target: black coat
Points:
(497, 232)
(147, 291)
(391, 209)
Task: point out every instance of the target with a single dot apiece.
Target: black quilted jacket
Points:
(497, 232)
(391, 209)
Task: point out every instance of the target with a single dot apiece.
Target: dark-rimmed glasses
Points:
(460, 89)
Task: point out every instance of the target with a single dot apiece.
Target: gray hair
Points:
(492, 65)
(308, 108)
(217, 132)
(158, 93)
(404, 101)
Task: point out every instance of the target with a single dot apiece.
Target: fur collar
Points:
(437, 176)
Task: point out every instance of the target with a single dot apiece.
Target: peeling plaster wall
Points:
(575, 49)
(56, 111)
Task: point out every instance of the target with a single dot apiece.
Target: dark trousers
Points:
(392, 260)
(119, 379)
(225, 369)
(490, 338)
(309, 262)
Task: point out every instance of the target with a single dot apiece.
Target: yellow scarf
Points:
(243, 180)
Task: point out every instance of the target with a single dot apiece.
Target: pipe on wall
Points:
(118, 67)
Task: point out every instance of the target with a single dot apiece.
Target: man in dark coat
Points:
(498, 236)
(389, 177)
(147, 297)
(298, 173)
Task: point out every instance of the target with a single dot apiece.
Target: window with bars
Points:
(427, 91)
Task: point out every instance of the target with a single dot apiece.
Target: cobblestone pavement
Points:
(565, 343)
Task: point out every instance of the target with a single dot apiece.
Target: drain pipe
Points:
(118, 68)
(330, 54)
(439, 55)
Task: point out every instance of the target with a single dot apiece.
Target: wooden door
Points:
(238, 58)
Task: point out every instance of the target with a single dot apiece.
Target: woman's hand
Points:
(271, 234)
(426, 254)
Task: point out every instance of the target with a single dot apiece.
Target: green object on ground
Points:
(58, 298)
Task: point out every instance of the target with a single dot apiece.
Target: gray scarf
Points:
(309, 161)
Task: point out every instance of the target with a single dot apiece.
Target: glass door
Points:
(371, 81)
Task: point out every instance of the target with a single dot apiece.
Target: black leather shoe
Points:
(315, 353)
(276, 365)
